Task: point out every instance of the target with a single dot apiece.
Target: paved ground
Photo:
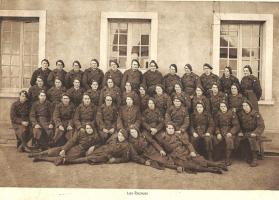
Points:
(19, 171)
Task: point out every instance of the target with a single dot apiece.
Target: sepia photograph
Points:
(141, 95)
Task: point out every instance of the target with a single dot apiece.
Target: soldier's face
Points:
(177, 103)
(110, 83)
(120, 137)
(58, 83)
(234, 90)
(86, 100)
(187, 70)
(170, 129)
(42, 97)
(246, 107)
(40, 82)
(206, 70)
(113, 66)
(227, 72)
(172, 70)
(177, 88)
(59, 65)
(246, 72)
(22, 97)
(151, 105)
(142, 91)
(129, 101)
(198, 92)
(93, 64)
(159, 90)
(135, 66)
(44, 65)
(215, 88)
(108, 100)
(128, 87)
(94, 85)
(199, 108)
(89, 129)
(65, 100)
(152, 67)
(223, 107)
(134, 133)
(76, 84)
(76, 67)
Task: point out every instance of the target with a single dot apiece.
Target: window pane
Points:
(233, 27)
(16, 26)
(15, 82)
(233, 33)
(246, 30)
(15, 60)
(34, 60)
(145, 28)
(223, 41)
(114, 39)
(255, 53)
(6, 48)
(245, 62)
(6, 25)
(26, 82)
(233, 64)
(6, 37)
(123, 50)
(233, 41)
(27, 71)
(223, 64)
(113, 27)
(232, 52)
(255, 68)
(144, 51)
(122, 62)
(123, 27)
(223, 52)
(5, 71)
(246, 42)
(6, 82)
(135, 51)
(256, 30)
(255, 42)
(224, 27)
(15, 71)
(122, 39)
(6, 60)
(245, 53)
(144, 39)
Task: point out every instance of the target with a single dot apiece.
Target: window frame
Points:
(41, 14)
(104, 31)
(267, 47)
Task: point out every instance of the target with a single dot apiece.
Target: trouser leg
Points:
(208, 146)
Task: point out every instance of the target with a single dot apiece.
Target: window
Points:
(240, 45)
(19, 51)
(129, 39)
(245, 39)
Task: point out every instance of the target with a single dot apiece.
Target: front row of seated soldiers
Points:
(68, 125)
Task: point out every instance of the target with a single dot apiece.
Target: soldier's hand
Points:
(195, 135)
(69, 128)
(112, 160)
(112, 130)
(193, 154)
(207, 134)
(50, 126)
(90, 150)
(62, 153)
(61, 128)
(37, 126)
(219, 136)
(163, 153)
(147, 162)
(153, 131)
(229, 135)
(253, 135)
(177, 132)
(240, 134)
(24, 123)
(105, 130)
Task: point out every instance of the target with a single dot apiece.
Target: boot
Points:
(228, 158)
(155, 165)
(254, 159)
(59, 160)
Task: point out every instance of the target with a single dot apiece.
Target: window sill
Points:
(266, 102)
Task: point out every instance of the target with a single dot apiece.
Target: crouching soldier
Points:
(40, 117)
(201, 130)
(63, 119)
(75, 148)
(19, 115)
(227, 126)
(183, 154)
(106, 119)
(252, 127)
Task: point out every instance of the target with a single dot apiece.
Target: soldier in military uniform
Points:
(58, 72)
(41, 119)
(162, 100)
(185, 98)
(227, 80)
(226, 127)
(112, 90)
(63, 119)
(34, 91)
(152, 77)
(75, 73)
(106, 119)
(208, 78)
(182, 153)
(199, 97)
(130, 92)
(94, 93)
(215, 97)
(43, 72)
(76, 92)
(19, 115)
(235, 99)
(179, 116)
(143, 97)
(171, 79)
(114, 73)
(202, 130)
(190, 81)
(54, 94)
(92, 73)
(133, 76)
(76, 147)
(252, 127)
(251, 87)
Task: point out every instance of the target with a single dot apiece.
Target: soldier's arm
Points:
(211, 125)
(186, 143)
(13, 116)
(260, 124)
(168, 116)
(160, 124)
(33, 78)
(99, 119)
(84, 81)
(153, 142)
(145, 123)
(67, 80)
(138, 119)
(124, 80)
(71, 142)
(32, 115)
(77, 122)
(186, 123)
(235, 125)
(57, 117)
(257, 88)
(50, 79)
(119, 123)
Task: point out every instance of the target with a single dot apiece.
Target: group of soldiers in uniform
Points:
(181, 123)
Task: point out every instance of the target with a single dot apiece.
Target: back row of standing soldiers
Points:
(206, 110)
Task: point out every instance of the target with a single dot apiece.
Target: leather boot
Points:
(254, 159)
